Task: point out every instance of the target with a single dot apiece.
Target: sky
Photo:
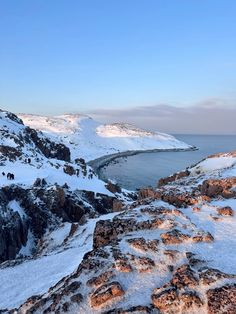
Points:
(121, 58)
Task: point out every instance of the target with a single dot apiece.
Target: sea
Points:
(145, 169)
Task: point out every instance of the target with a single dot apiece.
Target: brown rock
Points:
(222, 300)
(113, 188)
(211, 275)
(117, 206)
(106, 293)
(216, 187)
(190, 299)
(166, 300)
(174, 177)
(146, 193)
(101, 279)
(69, 170)
(174, 237)
(196, 209)
(225, 211)
(204, 237)
(143, 245)
(184, 277)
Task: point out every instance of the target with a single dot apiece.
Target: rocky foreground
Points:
(171, 251)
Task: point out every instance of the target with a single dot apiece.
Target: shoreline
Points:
(98, 163)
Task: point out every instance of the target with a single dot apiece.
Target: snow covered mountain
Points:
(90, 139)
(70, 243)
(171, 251)
(40, 186)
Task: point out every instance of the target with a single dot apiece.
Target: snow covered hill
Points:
(70, 243)
(90, 139)
(169, 252)
(49, 160)
(40, 186)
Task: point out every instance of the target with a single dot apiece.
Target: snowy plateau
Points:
(72, 243)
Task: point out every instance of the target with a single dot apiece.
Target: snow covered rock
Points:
(154, 257)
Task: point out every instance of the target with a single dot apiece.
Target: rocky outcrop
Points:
(48, 148)
(225, 211)
(13, 235)
(219, 187)
(222, 299)
(174, 177)
(105, 293)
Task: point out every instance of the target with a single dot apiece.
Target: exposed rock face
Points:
(113, 188)
(47, 147)
(101, 202)
(225, 211)
(8, 152)
(146, 193)
(222, 300)
(43, 205)
(219, 187)
(106, 293)
(174, 177)
(13, 235)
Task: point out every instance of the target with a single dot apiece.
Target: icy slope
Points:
(60, 256)
(91, 139)
(169, 252)
(48, 160)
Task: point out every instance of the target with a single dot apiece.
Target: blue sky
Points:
(82, 55)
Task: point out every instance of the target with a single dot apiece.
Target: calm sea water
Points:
(147, 168)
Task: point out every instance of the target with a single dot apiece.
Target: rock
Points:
(143, 245)
(174, 177)
(166, 301)
(196, 209)
(219, 187)
(190, 299)
(174, 237)
(146, 193)
(48, 148)
(69, 170)
(105, 293)
(184, 277)
(222, 299)
(113, 188)
(117, 206)
(76, 298)
(208, 276)
(101, 279)
(203, 237)
(225, 211)
(170, 300)
(9, 152)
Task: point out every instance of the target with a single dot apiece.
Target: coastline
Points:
(98, 163)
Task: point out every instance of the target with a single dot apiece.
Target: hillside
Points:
(171, 251)
(90, 139)
(41, 188)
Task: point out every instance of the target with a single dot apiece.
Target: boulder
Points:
(105, 293)
(222, 299)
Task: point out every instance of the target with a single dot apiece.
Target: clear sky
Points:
(82, 55)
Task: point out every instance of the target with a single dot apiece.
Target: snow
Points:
(219, 253)
(30, 245)
(36, 276)
(90, 139)
(26, 174)
(15, 206)
(212, 164)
